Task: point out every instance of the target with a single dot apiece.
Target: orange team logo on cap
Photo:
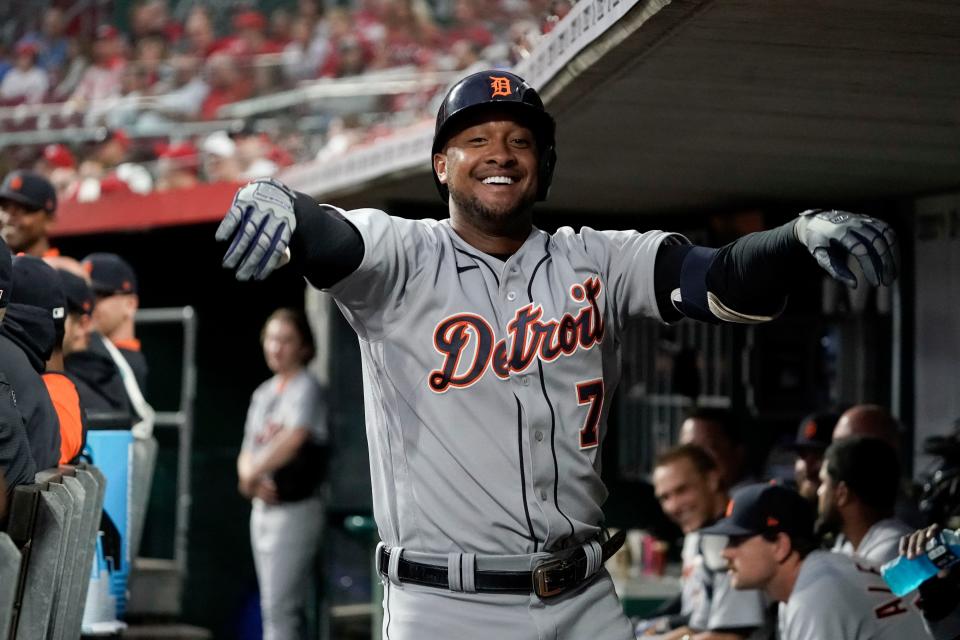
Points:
(772, 522)
(126, 285)
(500, 86)
(729, 511)
(88, 267)
(16, 182)
(810, 429)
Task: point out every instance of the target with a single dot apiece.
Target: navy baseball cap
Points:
(110, 274)
(815, 432)
(6, 274)
(79, 295)
(765, 508)
(36, 284)
(30, 189)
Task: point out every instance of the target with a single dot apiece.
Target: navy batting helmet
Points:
(503, 90)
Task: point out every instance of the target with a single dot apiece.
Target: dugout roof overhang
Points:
(726, 103)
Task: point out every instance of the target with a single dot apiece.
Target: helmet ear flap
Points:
(548, 162)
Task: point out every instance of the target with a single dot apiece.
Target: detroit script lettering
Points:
(528, 338)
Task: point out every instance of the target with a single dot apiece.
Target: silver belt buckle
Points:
(553, 577)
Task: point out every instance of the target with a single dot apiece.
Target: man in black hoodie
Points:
(17, 465)
(26, 342)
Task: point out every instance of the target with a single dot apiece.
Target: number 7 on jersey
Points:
(590, 392)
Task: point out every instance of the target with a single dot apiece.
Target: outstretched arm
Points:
(749, 279)
(266, 218)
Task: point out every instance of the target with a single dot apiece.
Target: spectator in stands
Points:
(124, 110)
(523, 37)
(103, 79)
(411, 37)
(227, 84)
(220, 163)
(42, 287)
(114, 284)
(468, 25)
(368, 16)
(177, 166)
(280, 29)
(304, 53)
(349, 52)
(17, 465)
(52, 44)
(813, 437)
(151, 58)
(151, 18)
(687, 483)
(279, 469)
(771, 546)
(26, 81)
(72, 71)
(859, 480)
(29, 203)
(255, 154)
(251, 36)
(201, 40)
(182, 93)
(717, 431)
(26, 342)
(558, 11)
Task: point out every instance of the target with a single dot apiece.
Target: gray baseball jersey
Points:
(842, 597)
(277, 404)
(487, 383)
(710, 599)
(880, 544)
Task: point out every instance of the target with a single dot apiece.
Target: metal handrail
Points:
(182, 419)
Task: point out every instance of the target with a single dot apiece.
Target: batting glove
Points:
(261, 221)
(834, 236)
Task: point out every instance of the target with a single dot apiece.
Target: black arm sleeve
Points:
(749, 277)
(325, 248)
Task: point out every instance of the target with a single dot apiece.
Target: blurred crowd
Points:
(143, 109)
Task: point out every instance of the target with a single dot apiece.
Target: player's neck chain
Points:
(528, 338)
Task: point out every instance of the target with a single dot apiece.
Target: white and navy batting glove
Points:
(261, 221)
(834, 236)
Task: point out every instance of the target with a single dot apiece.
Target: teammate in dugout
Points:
(771, 545)
(491, 350)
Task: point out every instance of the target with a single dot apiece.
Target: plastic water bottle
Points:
(942, 552)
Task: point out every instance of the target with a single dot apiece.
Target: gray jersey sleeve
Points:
(399, 259)
(625, 261)
(254, 420)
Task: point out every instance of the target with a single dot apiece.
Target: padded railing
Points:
(47, 551)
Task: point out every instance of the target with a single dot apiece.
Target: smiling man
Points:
(688, 484)
(491, 351)
(824, 595)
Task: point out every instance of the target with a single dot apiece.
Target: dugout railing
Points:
(47, 551)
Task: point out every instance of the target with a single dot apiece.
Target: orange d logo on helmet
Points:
(810, 430)
(16, 182)
(729, 511)
(500, 86)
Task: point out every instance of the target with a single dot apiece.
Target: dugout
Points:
(704, 117)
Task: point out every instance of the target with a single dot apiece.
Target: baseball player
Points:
(491, 350)
(770, 546)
